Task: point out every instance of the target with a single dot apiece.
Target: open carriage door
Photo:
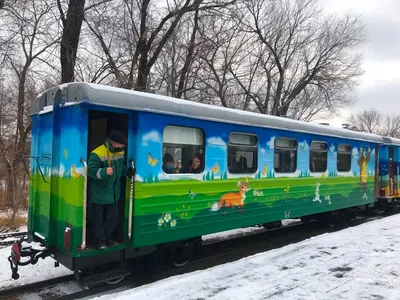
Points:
(391, 171)
(100, 124)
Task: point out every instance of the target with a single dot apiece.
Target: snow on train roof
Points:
(142, 101)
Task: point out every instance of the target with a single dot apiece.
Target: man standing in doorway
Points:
(105, 169)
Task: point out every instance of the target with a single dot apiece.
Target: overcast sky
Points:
(380, 85)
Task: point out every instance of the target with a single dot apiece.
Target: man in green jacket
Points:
(105, 169)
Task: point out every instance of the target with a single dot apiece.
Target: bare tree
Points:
(222, 50)
(133, 40)
(372, 121)
(366, 121)
(72, 26)
(391, 126)
(308, 57)
(34, 30)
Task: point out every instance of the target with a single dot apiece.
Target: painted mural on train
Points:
(182, 204)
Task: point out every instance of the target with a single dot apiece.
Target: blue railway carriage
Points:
(200, 169)
(388, 187)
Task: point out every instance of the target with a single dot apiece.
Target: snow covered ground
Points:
(45, 269)
(362, 262)
(8, 213)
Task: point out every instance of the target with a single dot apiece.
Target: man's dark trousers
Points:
(105, 219)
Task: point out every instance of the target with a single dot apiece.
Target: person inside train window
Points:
(105, 168)
(243, 164)
(169, 164)
(195, 166)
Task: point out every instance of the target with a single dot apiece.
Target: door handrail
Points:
(83, 245)
(38, 164)
(131, 200)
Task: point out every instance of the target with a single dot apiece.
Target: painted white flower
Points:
(160, 222)
(173, 223)
(167, 217)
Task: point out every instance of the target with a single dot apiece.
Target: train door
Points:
(391, 171)
(42, 167)
(100, 123)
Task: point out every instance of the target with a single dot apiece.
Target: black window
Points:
(242, 153)
(285, 155)
(318, 156)
(181, 147)
(344, 158)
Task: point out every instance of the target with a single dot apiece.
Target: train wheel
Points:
(115, 281)
(331, 219)
(180, 258)
(306, 220)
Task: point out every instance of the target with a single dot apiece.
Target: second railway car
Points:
(252, 169)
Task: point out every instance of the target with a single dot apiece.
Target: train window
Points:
(242, 153)
(285, 155)
(183, 150)
(344, 158)
(318, 156)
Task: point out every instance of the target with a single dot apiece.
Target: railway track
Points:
(213, 253)
(6, 239)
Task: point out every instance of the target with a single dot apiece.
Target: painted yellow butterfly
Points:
(65, 153)
(264, 171)
(152, 161)
(216, 168)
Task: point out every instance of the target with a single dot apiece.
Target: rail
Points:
(216, 253)
(83, 245)
(8, 238)
(38, 164)
(131, 200)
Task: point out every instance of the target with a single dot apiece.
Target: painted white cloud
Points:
(304, 146)
(355, 152)
(262, 150)
(138, 178)
(332, 148)
(271, 143)
(216, 142)
(152, 136)
(61, 170)
(163, 176)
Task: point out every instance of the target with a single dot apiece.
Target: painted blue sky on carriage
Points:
(145, 144)
(150, 151)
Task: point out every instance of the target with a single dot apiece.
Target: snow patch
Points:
(361, 262)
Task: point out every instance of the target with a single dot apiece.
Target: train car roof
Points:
(77, 92)
(391, 141)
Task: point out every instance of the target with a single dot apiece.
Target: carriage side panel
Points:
(39, 194)
(172, 207)
(67, 182)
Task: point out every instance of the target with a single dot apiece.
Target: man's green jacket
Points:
(105, 189)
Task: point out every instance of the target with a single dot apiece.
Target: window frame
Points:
(289, 149)
(343, 152)
(243, 146)
(203, 147)
(326, 156)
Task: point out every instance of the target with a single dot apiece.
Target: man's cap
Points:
(116, 136)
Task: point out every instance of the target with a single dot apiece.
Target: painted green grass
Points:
(66, 210)
(180, 187)
(269, 199)
(163, 227)
(176, 198)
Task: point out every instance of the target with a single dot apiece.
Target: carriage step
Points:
(96, 279)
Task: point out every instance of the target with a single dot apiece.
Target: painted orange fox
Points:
(233, 199)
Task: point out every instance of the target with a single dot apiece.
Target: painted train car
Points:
(254, 169)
